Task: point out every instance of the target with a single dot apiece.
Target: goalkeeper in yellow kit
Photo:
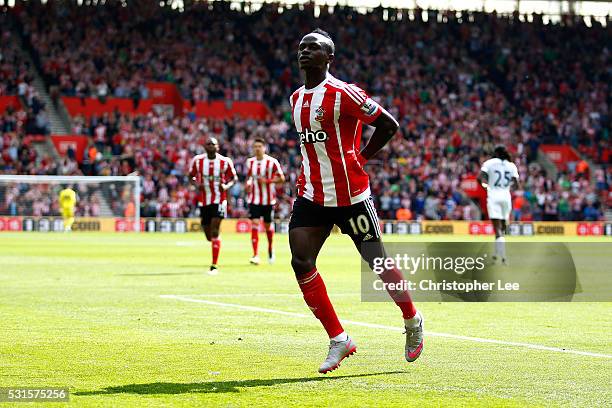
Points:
(67, 202)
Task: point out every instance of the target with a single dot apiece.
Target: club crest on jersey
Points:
(311, 136)
(319, 114)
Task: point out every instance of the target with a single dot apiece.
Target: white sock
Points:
(500, 247)
(341, 337)
(414, 321)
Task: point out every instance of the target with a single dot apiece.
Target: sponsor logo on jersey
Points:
(311, 136)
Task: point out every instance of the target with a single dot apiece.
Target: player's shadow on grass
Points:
(214, 386)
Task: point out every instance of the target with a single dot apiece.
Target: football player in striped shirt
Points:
(333, 188)
(263, 174)
(214, 174)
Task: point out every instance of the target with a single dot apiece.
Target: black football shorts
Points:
(208, 212)
(257, 211)
(359, 221)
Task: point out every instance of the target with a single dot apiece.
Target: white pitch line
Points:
(399, 329)
(187, 243)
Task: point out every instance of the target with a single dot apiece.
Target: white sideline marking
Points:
(187, 243)
(399, 329)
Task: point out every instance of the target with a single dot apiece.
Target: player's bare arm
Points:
(229, 184)
(515, 184)
(483, 179)
(194, 181)
(279, 179)
(386, 127)
(233, 178)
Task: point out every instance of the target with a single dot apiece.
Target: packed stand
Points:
(559, 75)
(451, 114)
(120, 145)
(17, 154)
(16, 80)
(112, 51)
(14, 69)
(451, 109)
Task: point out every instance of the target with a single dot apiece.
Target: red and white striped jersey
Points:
(260, 171)
(210, 174)
(328, 120)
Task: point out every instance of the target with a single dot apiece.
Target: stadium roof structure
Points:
(551, 10)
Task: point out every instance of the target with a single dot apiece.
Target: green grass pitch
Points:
(87, 311)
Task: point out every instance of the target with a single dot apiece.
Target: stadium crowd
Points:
(112, 50)
(16, 79)
(559, 76)
(457, 88)
(14, 71)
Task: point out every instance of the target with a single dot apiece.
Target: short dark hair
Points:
(501, 152)
(329, 49)
(259, 140)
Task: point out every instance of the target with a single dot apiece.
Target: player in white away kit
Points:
(333, 188)
(214, 175)
(497, 176)
(263, 173)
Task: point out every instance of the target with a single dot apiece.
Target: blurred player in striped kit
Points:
(214, 174)
(263, 174)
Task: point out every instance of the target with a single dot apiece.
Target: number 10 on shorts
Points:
(360, 224)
